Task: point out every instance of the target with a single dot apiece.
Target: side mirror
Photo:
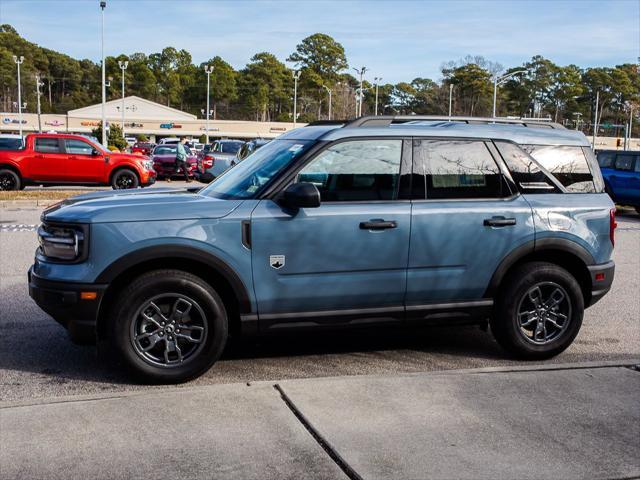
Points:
(301, 195)
(95, 152)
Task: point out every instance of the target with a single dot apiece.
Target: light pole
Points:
(208, 69)
(38, 85)
(497, 81)
(595, 120)
(103, 4)
(19, 62)
(296, 77)
(329, 91)
(451, 100)
(377, 81)
(360, 72)
(123, 66)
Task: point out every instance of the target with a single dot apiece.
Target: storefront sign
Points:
(7, 120)
(170, 125)
(90, 124)
(134, 125)
(278, 129)
(54, 123)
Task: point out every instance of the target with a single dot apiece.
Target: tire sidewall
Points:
(114, 181)
(16, 179)
(142, 292)
(509, 304)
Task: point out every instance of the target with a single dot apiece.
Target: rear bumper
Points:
(601, 280)
(63, 302)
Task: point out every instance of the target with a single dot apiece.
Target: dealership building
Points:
(142, 116)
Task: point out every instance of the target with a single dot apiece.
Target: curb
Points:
(27, 203)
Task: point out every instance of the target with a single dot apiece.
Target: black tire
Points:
(638, 210)
(9, 180)
(128, 320)
(124, 179)
(510, 329)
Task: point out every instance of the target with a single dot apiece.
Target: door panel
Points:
(329, 262)
(47, 162)
(82, 166)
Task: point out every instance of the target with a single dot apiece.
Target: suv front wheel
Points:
(168, 326)
(539, 312)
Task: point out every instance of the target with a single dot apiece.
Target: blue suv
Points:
(621, 172)
(372, 222)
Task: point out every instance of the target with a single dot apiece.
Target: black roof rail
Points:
(318, 123)
(386, 120)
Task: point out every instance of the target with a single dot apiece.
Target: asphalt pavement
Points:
(38, 360)
(574, 422)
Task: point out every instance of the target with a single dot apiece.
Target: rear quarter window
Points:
(568, 164)
(606, 159)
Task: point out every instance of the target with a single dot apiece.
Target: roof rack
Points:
(386, 120)
(318, 123)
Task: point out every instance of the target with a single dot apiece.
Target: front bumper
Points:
(601, 280)
(63, 301)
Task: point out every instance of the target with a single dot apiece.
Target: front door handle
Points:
(499, 222)
(378, 225)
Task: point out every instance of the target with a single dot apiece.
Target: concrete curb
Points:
(193, 388)
(27, 203)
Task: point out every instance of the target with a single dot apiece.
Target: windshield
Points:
(248, 178)
(169, 150)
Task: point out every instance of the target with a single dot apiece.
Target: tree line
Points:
(263, 89)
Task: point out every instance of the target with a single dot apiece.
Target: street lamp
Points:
(329, 91)
(499, 80)
(296, 77)
(376, 81)
(451, 100)
(577, 114)
(38, 93)
(360, 72)
(123, 66)
(208, 69)
(19, 62)
(103, 4)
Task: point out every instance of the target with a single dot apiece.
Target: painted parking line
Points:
(18, 227)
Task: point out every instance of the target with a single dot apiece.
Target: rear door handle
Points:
(499, 222)
(378, 225)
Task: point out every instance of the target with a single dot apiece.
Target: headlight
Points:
(148, 164)
(63, 242)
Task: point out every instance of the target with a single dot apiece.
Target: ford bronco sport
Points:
(371, 222)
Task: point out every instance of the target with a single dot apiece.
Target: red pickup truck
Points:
(61, 159)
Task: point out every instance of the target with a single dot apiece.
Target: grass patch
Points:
(39, 194)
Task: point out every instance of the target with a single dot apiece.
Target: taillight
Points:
(612, 226)
(208, 163)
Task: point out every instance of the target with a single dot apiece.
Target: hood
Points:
(128, 156)
(138, 206)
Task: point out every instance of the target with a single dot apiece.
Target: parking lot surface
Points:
(38, 360)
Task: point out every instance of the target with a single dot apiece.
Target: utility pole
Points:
(499, 80)
(377, 81)
(296, 77)
(19, 62)
(123, 67)
(329, 91)
(208, 69)
(360, 72)
(595, 119)
(451, 100)
(38, 85)
(577, 114)
(103, 4)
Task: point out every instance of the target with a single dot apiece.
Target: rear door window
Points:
(624, 162)
(452, 169)
(567, 163)
(606, 159)
(47, 145)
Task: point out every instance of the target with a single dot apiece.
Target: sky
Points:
(396, 40)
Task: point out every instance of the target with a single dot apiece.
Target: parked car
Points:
(130, 141)
(221, 154)
(169, 141)
(61, 159)
(144, 148)
(164, 161)
(331, 226)
(248, 148)
(621, 172)
(10, 142)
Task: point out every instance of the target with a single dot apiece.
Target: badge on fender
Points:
(276, 261)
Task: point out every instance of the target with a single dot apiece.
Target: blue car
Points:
(367, 223)
(621, 172)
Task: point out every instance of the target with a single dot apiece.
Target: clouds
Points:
(399, 40)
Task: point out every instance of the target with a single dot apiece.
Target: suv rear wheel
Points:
(168, 326)
(9, 180)
(539, 312)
